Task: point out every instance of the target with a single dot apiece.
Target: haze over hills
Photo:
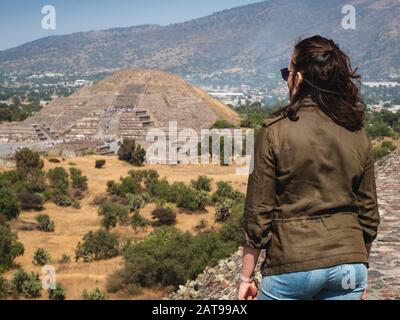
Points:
(255, 39)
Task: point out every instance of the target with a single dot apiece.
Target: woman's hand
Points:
(248, 291)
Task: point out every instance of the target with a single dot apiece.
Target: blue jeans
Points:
(344, 282)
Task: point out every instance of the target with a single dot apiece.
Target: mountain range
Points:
(253, 39)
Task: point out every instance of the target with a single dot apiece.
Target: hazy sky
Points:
(21, 20)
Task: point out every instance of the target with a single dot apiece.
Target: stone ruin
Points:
(124, 105)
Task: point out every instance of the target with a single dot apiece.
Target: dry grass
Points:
(72, 224)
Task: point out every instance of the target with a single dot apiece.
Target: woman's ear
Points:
(299, 79)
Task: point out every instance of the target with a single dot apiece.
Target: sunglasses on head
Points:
(286, 73)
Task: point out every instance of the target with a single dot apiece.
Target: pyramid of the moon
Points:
(124, 105)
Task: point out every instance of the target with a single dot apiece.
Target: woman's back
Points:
(313, 186)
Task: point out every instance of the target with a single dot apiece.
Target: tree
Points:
(78, 181)
(112, 213)
(100, 245)
(9, 207)
(132, 152)
(28, 160)
(10, 248)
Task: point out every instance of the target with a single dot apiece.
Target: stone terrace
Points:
(221, 282)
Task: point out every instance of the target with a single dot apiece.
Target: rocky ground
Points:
(220, 283)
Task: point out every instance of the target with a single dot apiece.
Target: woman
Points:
(311, 200)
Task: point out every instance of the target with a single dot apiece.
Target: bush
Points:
(64, 200)
(96, 294)
(78, 181)
(138, 221)
(383, 150)
(100, 245)
(136, 202)
(45, 224)
(112, 214)
(132, 152)
(188, 199)
(28, 284)
(100, 164)
(57, 294)
(9, 207)
(128, 185)
(160, 189)
(65, 259)
(156, 260)
(225, 191)
(54, 160)
(4, 288)
(223, 210)
(27, 160)
(164, 216)
(41, 257)
(10, 248)
(58, 178)
(223, 124)
(203, 183)
(30, 201)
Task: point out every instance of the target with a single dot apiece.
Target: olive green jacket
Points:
(311, 199)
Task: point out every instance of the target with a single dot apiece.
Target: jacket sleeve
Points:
(368, 215)
(260, 199)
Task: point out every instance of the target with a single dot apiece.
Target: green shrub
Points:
(57, 294)
(9, 206)
(164, 216)
(156, 260)
(53, 160)
(27, 159)
(96, 294)
(132, 152)
(30, 201)
(160, 189)
(223, 124)
(225, 191)
(41, 257)
(4, 288)
(136, 202)
(112, 214)
(223, 210)
(100, 245)
(138, 221)
(100, 164)
(383, 150)
(28, 284)
(64, 200)
(65, 259)
(58, 178)
(128, 185)
(188, 199)
(78, 181)
(10, 248)
(45, 223)
(203, 183)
